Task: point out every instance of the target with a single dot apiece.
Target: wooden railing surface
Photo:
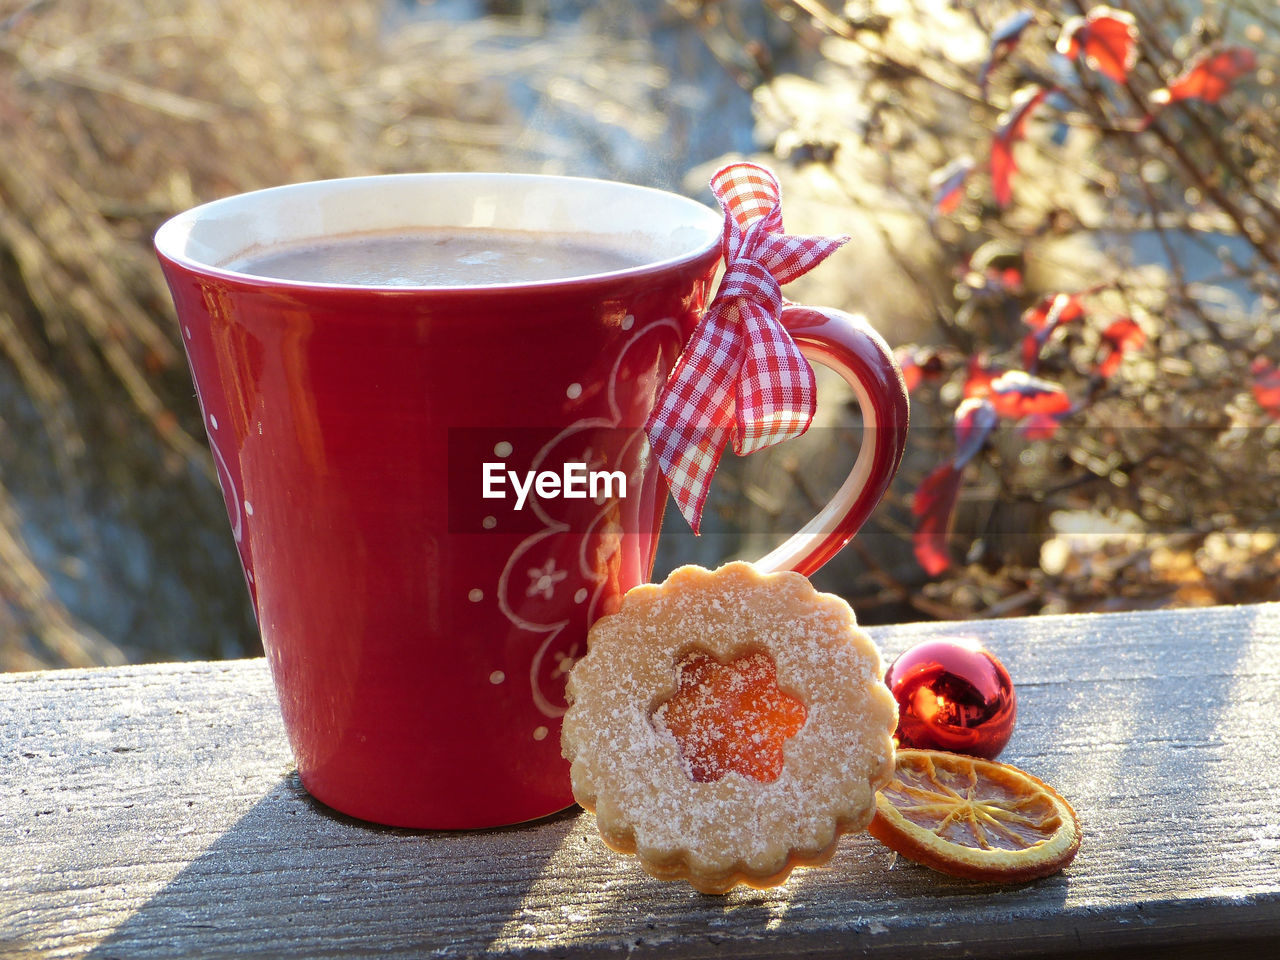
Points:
(152, 811)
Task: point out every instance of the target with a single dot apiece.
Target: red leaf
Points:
(933, 503)
(1266, 385)
(1004, 40)
(1110, 363)
(911, 374)
(1010, 279)
(974, 419)
(1054, 309)
(1002, 170)
(1040, 426)
(948, 183)
(935, 499)
(1009, 130)
(1016, 394)
(1210, 77)
(1119, 337)
(1108, 39)
(918, 365)
(980, 376)
(1031, 345)
(1044, 318)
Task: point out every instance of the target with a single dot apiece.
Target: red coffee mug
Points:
(418, 624)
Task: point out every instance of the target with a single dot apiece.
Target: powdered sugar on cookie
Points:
(731, 828)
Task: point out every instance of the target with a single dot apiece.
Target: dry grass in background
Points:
(117, 114)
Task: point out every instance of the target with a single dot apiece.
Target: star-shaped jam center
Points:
(730, 717)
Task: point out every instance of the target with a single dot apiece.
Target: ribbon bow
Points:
(741, 376)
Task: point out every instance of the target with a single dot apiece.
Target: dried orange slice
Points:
(974, 818)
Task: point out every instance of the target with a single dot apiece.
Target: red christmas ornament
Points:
(953, 695)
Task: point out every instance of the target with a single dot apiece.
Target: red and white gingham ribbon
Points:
(741, 376)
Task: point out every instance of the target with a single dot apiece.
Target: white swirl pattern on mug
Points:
(543, 579)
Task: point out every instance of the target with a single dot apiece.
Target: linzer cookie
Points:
(728, 726)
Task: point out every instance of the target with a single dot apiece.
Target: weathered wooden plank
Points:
(153, 812)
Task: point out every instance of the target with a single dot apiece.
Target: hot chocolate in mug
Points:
(436, 487)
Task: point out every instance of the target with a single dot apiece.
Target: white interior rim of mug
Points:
(206, 238)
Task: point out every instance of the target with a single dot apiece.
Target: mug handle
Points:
(848, 345)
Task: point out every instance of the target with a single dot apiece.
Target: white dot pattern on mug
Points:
(540, 733)
(536, 589)
(497, 677)
(489, 522)
(213, 421)
(248, 508)
(476, 595)
(574, 391)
